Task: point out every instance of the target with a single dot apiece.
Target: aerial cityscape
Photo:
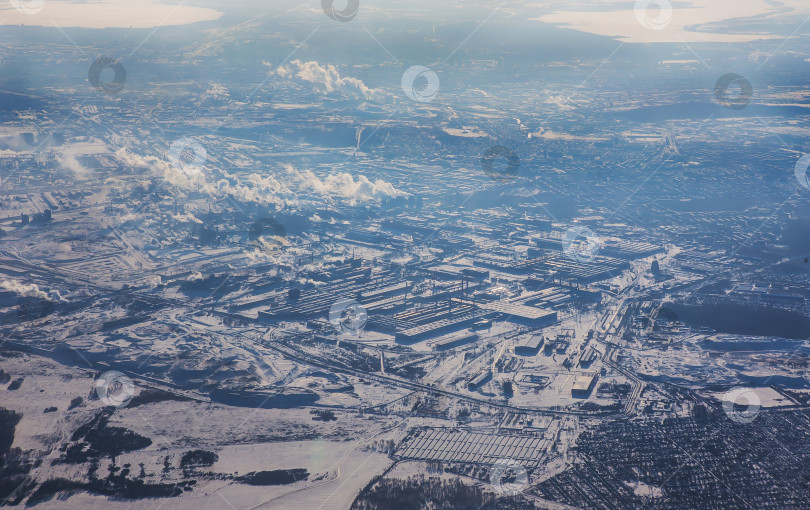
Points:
(412, 255)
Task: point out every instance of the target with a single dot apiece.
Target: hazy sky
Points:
(688, 21)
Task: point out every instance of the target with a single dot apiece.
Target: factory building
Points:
(521, 314)
(479, 380)
(451, 340)
(583, 385)
(530, 345)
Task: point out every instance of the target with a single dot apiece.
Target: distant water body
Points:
(742, 319)
(703, 110)
(109, 14)
(704, 21)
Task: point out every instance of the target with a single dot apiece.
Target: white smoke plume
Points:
(288, 188)
(262, 190)
(329, 78)
(344, 185)
(69, 162)
(29, 290)
(158, 166)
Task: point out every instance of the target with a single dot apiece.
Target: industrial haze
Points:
(401, 255)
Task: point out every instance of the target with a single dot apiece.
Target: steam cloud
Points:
(329, 78)
(290, 188)
(29, 290)
(69, 162)
(344, 185)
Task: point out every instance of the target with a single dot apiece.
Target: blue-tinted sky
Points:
(689, 21)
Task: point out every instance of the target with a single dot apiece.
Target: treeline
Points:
(418, 492)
